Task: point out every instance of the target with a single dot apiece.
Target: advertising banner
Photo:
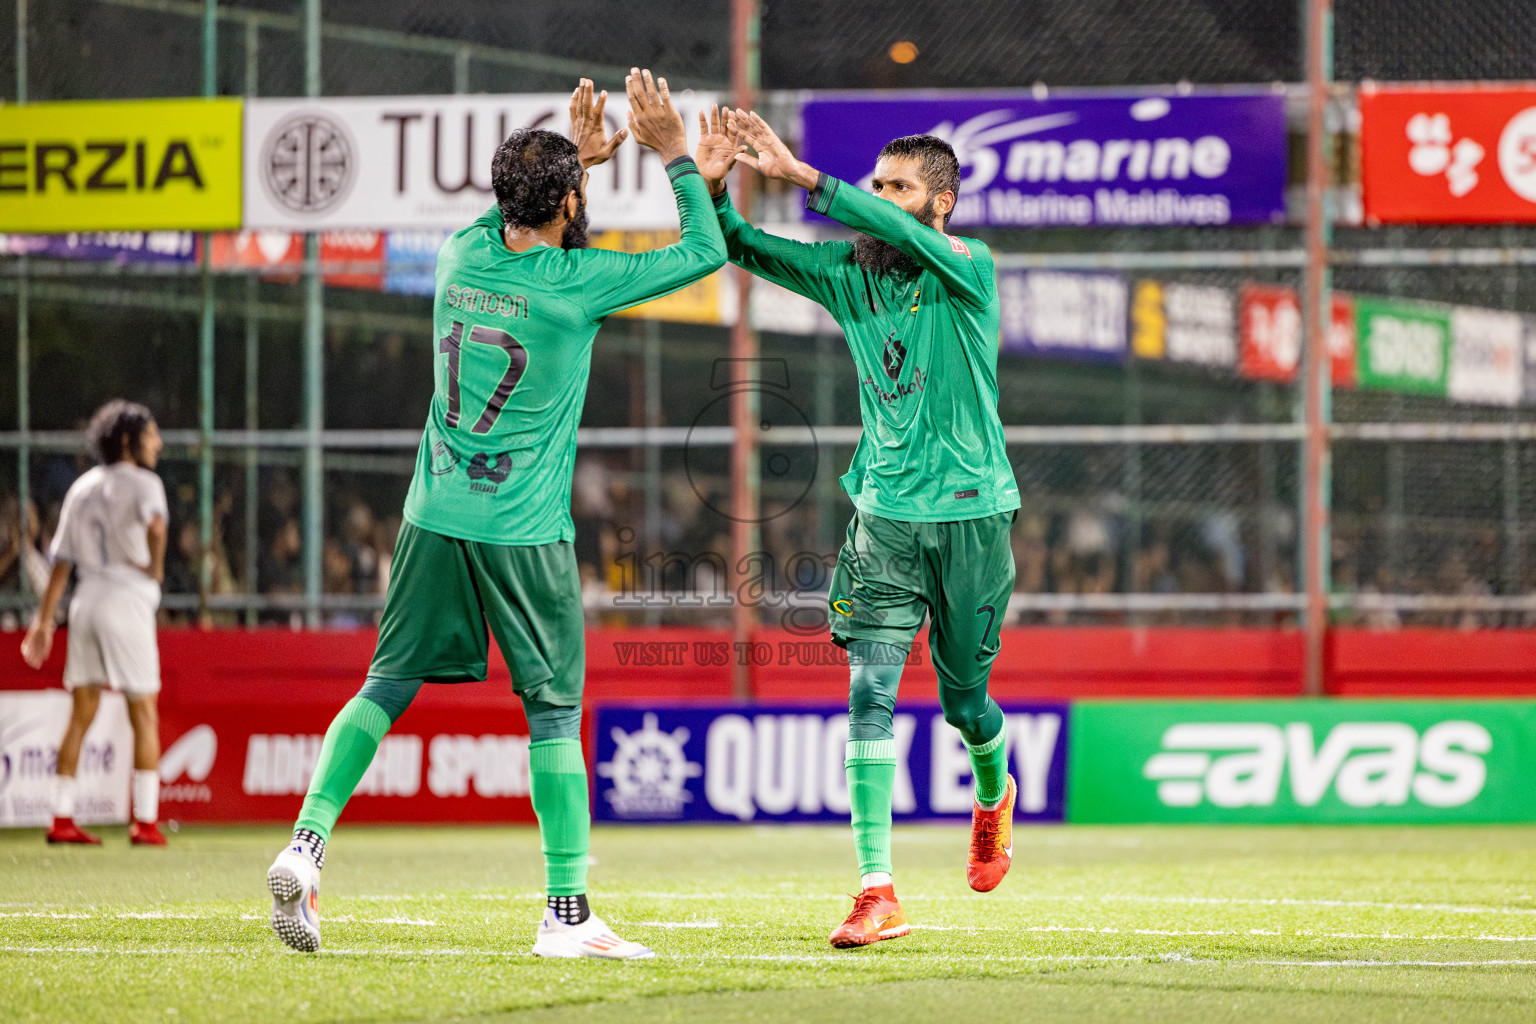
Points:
(1065, 315)
(253, 762)
(31, 726)
(738, 763)
(1487, 357)
(106, 246)
(425, 161)
(1303, 761)
(282, 253)
(411, 260)
(699, 303)
(1271, 335)
(1404, 346)
(1129, 160)
(1448, 155)
(120, 165)
(1184, 323)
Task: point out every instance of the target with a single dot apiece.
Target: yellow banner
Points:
(699, 303)
(131, 165)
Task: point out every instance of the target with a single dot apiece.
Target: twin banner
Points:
(1285, 761)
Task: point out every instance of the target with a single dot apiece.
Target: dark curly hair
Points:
(117, 428)
(532, 173)
(940, 169)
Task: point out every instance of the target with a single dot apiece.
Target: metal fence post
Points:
(314, 364)
(23, 327)
(1316, 381)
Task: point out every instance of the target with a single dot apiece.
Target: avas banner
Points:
(738, 763)
(1448, 155)
(1126, 160)
(31, 725)
(425, 161)
(106, 246)
(1065, 315)
(1404, 346)
(1184, 323)
(1303, 761)
(1271, 335)
(111, 166)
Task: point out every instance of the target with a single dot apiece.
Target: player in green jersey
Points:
(487, 534)
(933, 492)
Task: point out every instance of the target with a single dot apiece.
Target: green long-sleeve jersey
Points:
(925, 348)
(513, 356)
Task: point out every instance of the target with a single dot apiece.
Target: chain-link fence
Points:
(1156, 491)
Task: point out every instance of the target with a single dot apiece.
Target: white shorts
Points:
(112, 641)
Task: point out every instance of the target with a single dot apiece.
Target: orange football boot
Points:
(991, 842)
(876, 915)
(145, 833)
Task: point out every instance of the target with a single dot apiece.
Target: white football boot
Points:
(294, 882)
(591, 938)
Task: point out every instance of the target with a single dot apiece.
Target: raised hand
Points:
(717, 151)
(587, 128)
(773, 159)
(653, 121)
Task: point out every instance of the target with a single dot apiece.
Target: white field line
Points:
(1172, 957)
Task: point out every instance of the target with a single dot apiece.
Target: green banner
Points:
(1303, 761)
(1403, 346)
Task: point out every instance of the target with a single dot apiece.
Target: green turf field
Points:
(1208, 924)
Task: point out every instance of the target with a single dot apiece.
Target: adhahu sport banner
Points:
(424, 162)
(1065, 160)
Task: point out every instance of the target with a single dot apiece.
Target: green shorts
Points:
(443, 592)
(891, 574)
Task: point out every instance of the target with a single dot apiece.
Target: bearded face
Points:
(885, 259)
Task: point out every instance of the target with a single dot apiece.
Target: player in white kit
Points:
(112, 532)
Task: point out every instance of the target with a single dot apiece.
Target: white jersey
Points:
(103, 527)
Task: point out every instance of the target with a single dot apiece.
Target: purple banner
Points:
(1132, 160)
(1063, 315)
(116, 246)
(739, 763)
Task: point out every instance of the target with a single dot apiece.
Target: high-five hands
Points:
(653, 121)
(773, 159)
(717, 151)
(588, 131)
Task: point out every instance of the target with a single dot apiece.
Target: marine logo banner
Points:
(139, 165)
(1076, 161)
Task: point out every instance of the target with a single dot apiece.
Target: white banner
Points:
(31, 725)
(425, 161)
(1487, 357)
(1202, 324)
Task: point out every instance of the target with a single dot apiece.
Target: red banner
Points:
(282, 254)
(1271, 335)
(447, 759)
(1463, 155)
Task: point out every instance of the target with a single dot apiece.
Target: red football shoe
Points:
(145, 833)
(991, 842)
(876, 915)
(66, 831)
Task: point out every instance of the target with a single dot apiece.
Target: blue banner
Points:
(1063, 315)
(784, 763)
(1128, 160)
(107, 246)
(411, 260)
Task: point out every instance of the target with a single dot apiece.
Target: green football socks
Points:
(348, 750)
(989, 765)
(559, 784)
(871, 769)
